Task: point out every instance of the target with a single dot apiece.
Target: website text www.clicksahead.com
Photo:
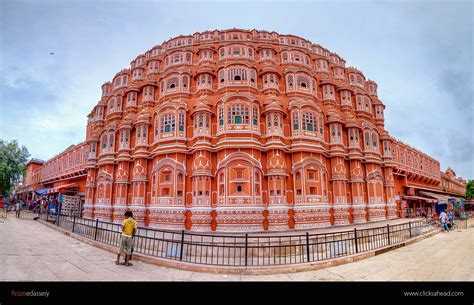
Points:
(437, 293)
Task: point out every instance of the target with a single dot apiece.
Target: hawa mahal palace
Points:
(242, 131)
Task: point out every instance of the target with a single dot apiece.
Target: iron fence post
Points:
(355, 240)
(96, 228)
(182, 246)
(388, 233)
(73, 223)
(246, 247)
(409, 227)
(307, 246)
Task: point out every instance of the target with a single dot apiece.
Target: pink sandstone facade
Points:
(241, 131)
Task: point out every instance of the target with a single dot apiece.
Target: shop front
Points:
(417, 206)
(64, 199)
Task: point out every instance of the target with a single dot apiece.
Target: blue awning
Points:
(43, 191)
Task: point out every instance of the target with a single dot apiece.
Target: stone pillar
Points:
(139, 183)
(90, 193)
(340, 203)
(121, 190)
(275, 214)
(199, 208)
(359, 205)
(391, 207)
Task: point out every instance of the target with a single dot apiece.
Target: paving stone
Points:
(32, 251)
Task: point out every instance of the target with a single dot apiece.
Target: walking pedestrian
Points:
(129, 227)
(444, 221)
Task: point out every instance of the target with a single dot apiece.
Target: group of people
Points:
(446, 219)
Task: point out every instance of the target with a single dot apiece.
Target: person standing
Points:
(444, 221)
(129, 227)
(17, 207)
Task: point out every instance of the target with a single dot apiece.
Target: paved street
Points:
(30, 251)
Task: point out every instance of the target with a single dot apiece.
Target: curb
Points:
(265, 270)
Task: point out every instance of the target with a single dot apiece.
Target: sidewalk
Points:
(30, 251)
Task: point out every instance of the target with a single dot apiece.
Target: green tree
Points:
(12, 164)
(470, 189)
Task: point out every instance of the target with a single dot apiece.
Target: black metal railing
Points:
(244, 250)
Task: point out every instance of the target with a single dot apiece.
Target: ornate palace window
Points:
(338, 73)
(274, 123)
(296, 123)
(148, 93)
(238, 114)
(267, 54)
(270, 80)
(153, 67)
(322, 65)
(304, 83)
(346, 99)
(124, 139)
(336, 133)
(255, 116)
(137, 74)
(353, 137)
(172, 84)
(202, 123)
(180, 121)
(204, 81)
(296, 57)
(328, 92)
(178, 58)
(221, 116)
(168, 123)
(308, 121)
(132, 98)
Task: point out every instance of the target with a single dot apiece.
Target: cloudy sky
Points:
(419, 52)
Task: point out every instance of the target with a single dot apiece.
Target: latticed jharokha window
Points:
(303, 82)
(238, 114)
(168, 123)
(104, 141)
(255, 116)
(308, 121)
(237, 74)
(181, 121)
(375, 140)
(221, 116)
(296, 122)
(172, 83)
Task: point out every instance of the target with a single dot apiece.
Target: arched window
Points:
(111, 140)
(104, 141)
(111, 105)
(255, 115)
(185, 82)
(221, 116)
(303, 82)
(238, 114)
(296, 123)
(168, 123)
(289, 81)
(374, 140)
(172, 83)
(119, 103)
(181, 121)
(308, 121)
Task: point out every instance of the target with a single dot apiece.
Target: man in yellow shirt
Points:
(129, 227)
